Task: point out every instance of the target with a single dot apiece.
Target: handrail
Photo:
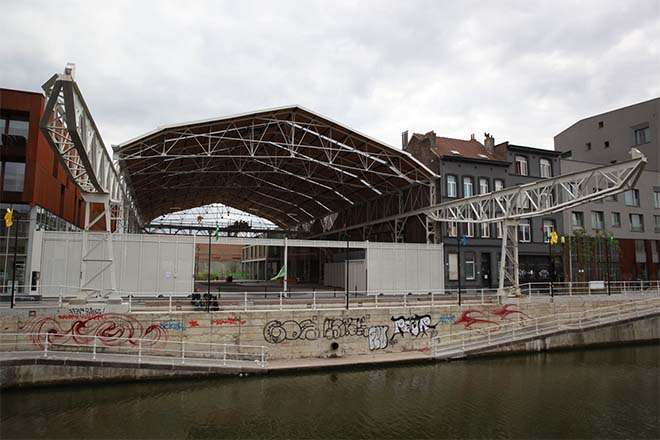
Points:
(506, 332)
(141, 350)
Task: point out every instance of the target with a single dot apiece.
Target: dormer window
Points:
(521, 166)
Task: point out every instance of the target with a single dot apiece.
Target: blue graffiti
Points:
(447, 318)
(172, 325)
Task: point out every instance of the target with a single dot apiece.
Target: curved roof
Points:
(288, 165)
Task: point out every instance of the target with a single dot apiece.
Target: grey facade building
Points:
(608, 137)
(633, 218)
(469, 167)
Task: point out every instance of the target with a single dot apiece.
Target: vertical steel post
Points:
(347, 267)
(286, 266)
(208, 278)
(13, 275)
(458, 247)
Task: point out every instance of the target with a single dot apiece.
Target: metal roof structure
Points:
(288, 165)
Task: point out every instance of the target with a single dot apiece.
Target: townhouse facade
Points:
(470, 167)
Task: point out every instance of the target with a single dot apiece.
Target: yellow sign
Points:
(554, 238)
(8, 220)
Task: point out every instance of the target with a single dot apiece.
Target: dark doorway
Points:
(486, 278)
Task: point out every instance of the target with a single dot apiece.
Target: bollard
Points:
(94, 349)
(46, 348)
(405, 302)
(224, 354)
(183, 351)
(314, 300)
(281, 300)
(245, 298)
(536, 320)
(482, 296)
(130, 300)
(431, 298)
(263, 357)
(170, 305)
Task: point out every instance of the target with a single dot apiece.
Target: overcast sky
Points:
(522, 71)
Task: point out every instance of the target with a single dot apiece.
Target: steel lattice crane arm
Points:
(546, 196)
(534, 199)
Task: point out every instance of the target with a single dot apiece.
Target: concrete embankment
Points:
(294, 340)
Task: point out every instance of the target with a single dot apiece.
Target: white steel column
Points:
(286, 266)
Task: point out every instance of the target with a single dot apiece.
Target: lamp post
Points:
(458, 247)
(607, 262)
(552, 268)
(13, 274)
(208, 277)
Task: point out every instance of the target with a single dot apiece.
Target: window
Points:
(14, 176)
(642, 135)
(452, 259)
(548, 227)
(485, 230)
(17, 131)
(600, 124)
(631, 197)
(469, 229)
(521, 166)
(451, 186)
(588, 145)
(607, 144)
(498, 184)
(636, 222)
(640, 252)
(483, 186)
(656, 220)
(597, 220)
(469, 267)
(616, 220)
(468, 187)
(524, 232)
(577, 220)
(498, 230)
(452, 229)
(546, 168)
(656, 199)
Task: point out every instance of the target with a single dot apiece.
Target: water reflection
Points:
(608, 393)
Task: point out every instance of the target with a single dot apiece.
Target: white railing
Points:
(327, 298)
(456, 344)
(134, 350)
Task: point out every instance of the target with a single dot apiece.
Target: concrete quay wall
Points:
(319, 337)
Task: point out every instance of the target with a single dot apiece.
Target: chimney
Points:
(472, 138)
(489, 143)
(404, 139)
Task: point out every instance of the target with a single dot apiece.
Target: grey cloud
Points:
(522, 70)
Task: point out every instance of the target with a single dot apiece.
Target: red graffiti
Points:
(193, 323)
(468, 321)
(423, 349)
(232, 320)
(111, 329)
(67, 317)
(506, 310)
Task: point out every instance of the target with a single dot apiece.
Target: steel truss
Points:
(69, 128)
(288, 165)
(548, 196)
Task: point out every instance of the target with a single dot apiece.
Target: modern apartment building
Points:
(469, 167)
(32, 183)
(607, 138)
(633, 218)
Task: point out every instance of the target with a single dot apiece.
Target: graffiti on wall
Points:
(172, 325)
(415, 325)
(111, 329)
(476, 318)
(378, 337)
(276, 331)
(335, 328)
(232, 320)
(447, 318)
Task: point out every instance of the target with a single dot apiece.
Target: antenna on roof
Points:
(404, 139)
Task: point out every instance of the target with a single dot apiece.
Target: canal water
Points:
(603, 393)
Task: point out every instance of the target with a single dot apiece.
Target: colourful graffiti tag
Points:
(232, 320)
(468, 320)
(193, 323)
(111, 329)
(507, 310)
